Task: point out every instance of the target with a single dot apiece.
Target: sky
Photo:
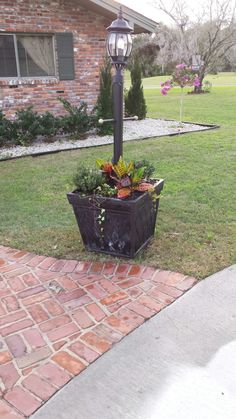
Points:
(147, 8)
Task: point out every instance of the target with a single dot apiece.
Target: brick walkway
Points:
(59, 316)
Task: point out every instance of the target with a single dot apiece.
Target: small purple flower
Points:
(164, 91)
(166, 87)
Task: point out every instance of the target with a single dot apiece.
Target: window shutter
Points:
(65, 54)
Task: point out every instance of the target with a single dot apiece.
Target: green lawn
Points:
(196, 229)
(220, 79)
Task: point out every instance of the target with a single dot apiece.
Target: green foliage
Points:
(28, 126)
(49, 125)
(145, 50)
(78, 121)
(148, 167)
(103, 107)
(136, 175)
(134, 100)
(196, 234)
(87, 180)
(106, 190)
(207, 86)
(8, 131)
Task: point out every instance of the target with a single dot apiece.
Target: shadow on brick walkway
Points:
(58, 316)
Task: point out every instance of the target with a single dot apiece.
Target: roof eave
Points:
(110, 8)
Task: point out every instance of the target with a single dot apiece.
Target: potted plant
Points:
(116, 206)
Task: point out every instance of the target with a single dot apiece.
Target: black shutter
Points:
(65, 54)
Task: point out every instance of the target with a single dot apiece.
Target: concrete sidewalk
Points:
(180, 364)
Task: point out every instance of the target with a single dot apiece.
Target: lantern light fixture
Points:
(119, 41)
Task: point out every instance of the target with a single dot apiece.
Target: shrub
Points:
(78, 121)
(134, 100)
(8, 131)
(49, 125)
(27, 125)
(88, 179)
(103, 107)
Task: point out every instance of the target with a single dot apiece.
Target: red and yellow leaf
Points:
(123, 193)
(144, 186)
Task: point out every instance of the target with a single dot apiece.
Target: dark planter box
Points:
(128, 226)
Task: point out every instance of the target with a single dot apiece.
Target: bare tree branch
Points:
(210, 35)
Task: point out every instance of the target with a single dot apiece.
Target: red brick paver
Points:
(59, 316)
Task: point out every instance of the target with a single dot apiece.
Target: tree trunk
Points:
(198, 89)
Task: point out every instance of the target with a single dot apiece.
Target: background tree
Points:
(209, 36)
(134, 100)
(168, 39)
(145, 50)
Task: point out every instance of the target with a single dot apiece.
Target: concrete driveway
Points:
(180, 364)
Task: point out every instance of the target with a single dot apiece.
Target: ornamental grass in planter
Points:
(116, 206)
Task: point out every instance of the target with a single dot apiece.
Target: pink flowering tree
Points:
(182, 76)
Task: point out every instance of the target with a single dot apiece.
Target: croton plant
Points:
(118, 180)
(126, 178)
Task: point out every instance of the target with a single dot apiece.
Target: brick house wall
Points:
(89, 33)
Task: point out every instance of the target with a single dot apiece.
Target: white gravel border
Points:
(133, 130)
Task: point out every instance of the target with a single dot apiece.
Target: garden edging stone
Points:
(133, 130)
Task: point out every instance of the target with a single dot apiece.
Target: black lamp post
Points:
(119, 46)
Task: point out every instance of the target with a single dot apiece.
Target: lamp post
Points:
(119, 46)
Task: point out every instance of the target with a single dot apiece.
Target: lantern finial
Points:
(120, 13)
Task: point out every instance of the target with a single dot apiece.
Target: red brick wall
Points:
(89, 33)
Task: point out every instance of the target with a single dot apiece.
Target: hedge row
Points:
(28, 125)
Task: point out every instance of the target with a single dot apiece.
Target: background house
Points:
(55, 48)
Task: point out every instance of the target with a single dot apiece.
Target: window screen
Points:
(35, 56)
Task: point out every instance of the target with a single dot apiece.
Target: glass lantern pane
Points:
(129, 48)
(111, 44)
(121, 45)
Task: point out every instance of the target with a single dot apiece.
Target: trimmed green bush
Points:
(78, 121)
(8, 131)
(103, 108)
(134, 100)
(50, 125)
(28, 126)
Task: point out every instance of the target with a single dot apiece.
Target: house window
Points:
(7, 57)
(24, 55)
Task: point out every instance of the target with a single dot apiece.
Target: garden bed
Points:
(133, 130)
